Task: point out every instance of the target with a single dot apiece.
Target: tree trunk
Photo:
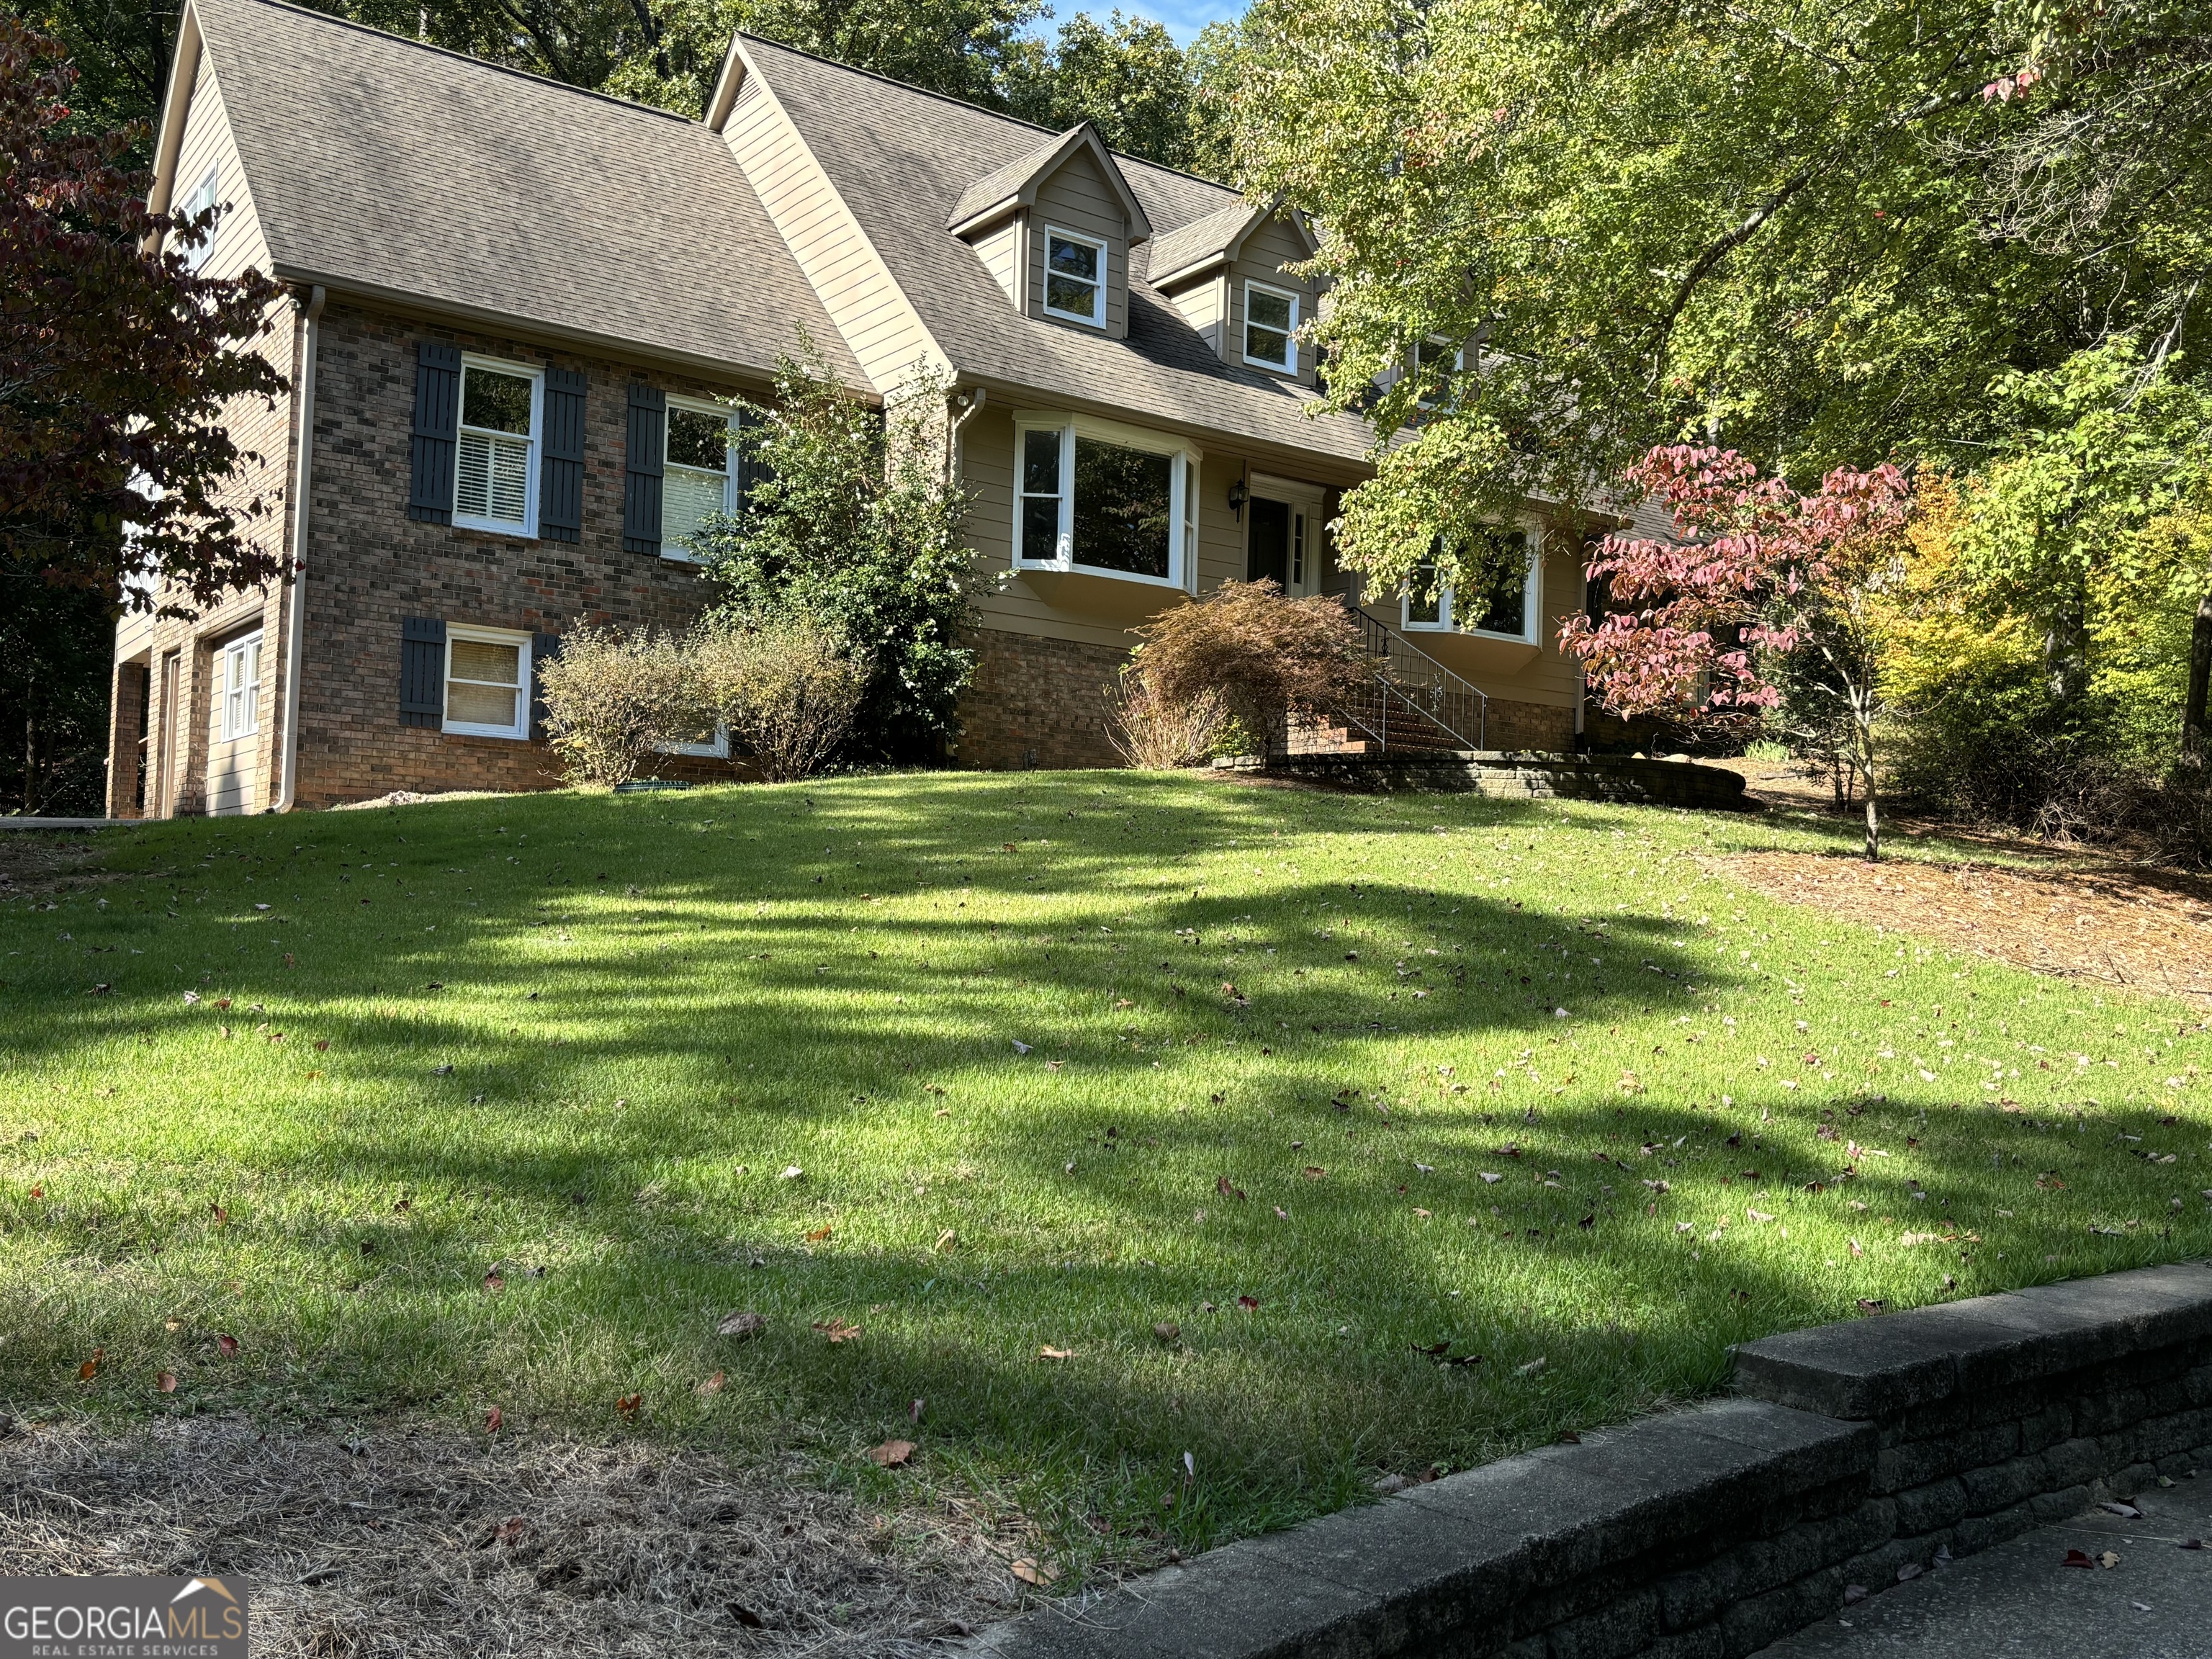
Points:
(2193, 713)
(2066, 652)
(1863, 742)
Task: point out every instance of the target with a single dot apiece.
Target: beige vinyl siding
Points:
(239, 243)
(1201, 303)
(1077, 197)
(1220, 535)
(1269, 248)
(232, 764)
(856, 287)
(1000, 251)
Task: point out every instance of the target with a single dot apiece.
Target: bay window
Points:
(1504, 607)
(1108, 499)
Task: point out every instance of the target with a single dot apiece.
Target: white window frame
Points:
(202, 198)
(1532, 607)
(719, 749)
(1459, 365)
(670, 547)
(527, 530)
(520, 730)
(1290, 336)
(1185, 471)
(1096, 318)
(242, 698)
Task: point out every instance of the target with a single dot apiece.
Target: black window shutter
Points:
(543, 648)
(423, 671)
(561, 466)
(751, 470)
(648, 443)
(437, 422)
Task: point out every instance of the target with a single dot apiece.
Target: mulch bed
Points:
(2137, 929)
(421, 1545)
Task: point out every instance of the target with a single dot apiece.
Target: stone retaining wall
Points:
(1509, 775)
(1852, 1454)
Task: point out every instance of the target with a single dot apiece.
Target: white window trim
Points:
(233, 653)
(520, 730)
(1532, 607)
(1459, 365)
(527, 530)
(1096, 318)
(670, 547)
(718, 750)
(203, 198)
(1291, 335)
(1188, 465)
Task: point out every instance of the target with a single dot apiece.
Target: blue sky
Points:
(1183, 18)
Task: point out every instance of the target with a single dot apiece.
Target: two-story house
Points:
(519, 313)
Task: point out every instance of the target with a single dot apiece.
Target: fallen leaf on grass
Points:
(493, 1419)
(891, 1453)
(1167, 1330)
(948, 1239)
(1020, 1048)
(837, 1330)
(713, 1385)
(1032, 1572)
(1249, 1303)
(494, 1281)
(793, 1172)
(819, 1234)
(1055, 1353)
(90, 1368)
(509, 1529)
(221, 1216)
(165, 1382)
(628, 1406)
(745, 1616)
(225, 1345)
(742, 1325)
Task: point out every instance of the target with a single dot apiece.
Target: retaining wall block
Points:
(2062, 1504)
(2000, 1486)
(1623, 1625)
(1929, 1508)
(2053, 1424)
(1980, 1532)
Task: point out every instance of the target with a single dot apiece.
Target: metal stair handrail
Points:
(1423, 686)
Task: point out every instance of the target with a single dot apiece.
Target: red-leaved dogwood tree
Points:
(1755, 575)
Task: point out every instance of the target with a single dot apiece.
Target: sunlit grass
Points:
(575, 1042)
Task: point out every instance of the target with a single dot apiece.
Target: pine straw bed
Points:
(422, 1544)
(2137, 929)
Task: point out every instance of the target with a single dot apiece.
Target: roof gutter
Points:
(302, 478)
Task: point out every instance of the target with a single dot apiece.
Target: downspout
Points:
(975, 400)
(302, 477)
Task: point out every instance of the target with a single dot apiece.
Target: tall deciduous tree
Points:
(1814, 232)
(118, 363)
(1755, 573)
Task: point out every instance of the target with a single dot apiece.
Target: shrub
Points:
(854, 524)
(613, 699)
(789, 691)
(1154, 734)
(1263, 655)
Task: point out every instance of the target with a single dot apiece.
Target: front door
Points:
(1281, 534)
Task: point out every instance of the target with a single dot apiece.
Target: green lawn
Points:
(491, 1102)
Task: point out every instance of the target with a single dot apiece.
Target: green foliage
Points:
(1127, 76)
(613, 700)
(1817, 235)
(57, 647)
(856, 529)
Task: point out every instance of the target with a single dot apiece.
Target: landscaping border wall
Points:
(1853, 1454)
(1514, 775)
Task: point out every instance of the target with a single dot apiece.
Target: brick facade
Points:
(1038, 702)
(370, 565)
(1530, 725)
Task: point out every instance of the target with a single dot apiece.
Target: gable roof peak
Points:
(1198, 246)
(1006, 189)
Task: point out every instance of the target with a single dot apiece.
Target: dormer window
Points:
(1271, 321)
(1074, 277)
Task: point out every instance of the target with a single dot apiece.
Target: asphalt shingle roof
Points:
(902, 158)
(377, 163)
